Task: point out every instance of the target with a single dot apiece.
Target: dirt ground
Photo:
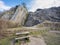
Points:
(35, 41)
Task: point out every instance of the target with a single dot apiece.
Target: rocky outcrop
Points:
(20, 15)
(16, 14)
(32, 20)
(40, 15)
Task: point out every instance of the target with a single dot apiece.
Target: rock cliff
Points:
(21, 16)
(16, 14)
(40, 15)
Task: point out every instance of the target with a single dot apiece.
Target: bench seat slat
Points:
(22, 33)
(21, 37)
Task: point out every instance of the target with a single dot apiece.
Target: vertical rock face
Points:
(16, 14)
(20, 15)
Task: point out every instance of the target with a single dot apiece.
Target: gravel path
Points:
(36, 41)
(55, 31)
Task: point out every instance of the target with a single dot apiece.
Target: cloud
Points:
(3, 6)
(44, 4)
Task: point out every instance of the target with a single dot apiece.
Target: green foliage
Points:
(5, 41)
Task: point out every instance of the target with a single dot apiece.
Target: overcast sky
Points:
(32, 5)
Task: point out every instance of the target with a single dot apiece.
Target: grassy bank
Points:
(52, 38)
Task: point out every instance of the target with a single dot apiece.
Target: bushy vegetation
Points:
(4, 25)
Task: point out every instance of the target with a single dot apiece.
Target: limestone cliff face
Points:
(16, 14)
(20, 15)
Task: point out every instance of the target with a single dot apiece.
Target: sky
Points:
(31, 5)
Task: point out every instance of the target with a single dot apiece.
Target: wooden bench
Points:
(24, 37)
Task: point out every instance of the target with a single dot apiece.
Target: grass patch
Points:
(4, 41)
(39, 32)
(52, 38)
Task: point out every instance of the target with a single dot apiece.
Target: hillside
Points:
(20, 15)
(40, 15)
